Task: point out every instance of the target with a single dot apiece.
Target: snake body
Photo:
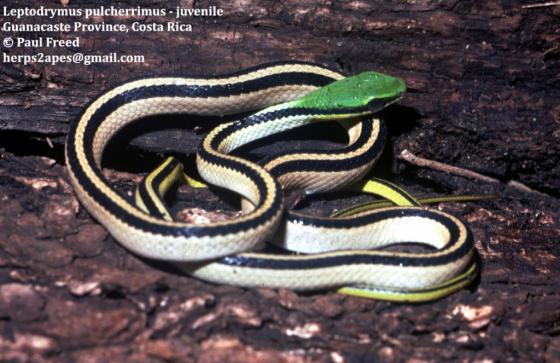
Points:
(289, 95)
(156, 238)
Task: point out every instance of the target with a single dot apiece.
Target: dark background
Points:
(483, 82)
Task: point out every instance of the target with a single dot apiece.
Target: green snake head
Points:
(364, 93)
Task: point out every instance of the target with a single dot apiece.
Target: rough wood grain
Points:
(484, 81)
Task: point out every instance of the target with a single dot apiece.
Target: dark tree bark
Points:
(484, 86)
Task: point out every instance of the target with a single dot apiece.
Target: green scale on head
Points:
(367, 92)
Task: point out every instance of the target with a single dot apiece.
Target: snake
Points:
(285, 95)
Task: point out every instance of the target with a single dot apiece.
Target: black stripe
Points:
(338, 165)
(148, 201)
(177, 91)
(355, 259)
(257, 119)
(273, 80)
(162, 175)
(156, 182)
(147, 92)
(321, 262)
(365, 133)
(375, 216)
(193, 230)
(320, 80)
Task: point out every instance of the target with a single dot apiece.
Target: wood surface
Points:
(484, 85)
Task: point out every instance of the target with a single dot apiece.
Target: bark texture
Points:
(484, 85)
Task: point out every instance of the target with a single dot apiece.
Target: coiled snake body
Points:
(287, 95)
